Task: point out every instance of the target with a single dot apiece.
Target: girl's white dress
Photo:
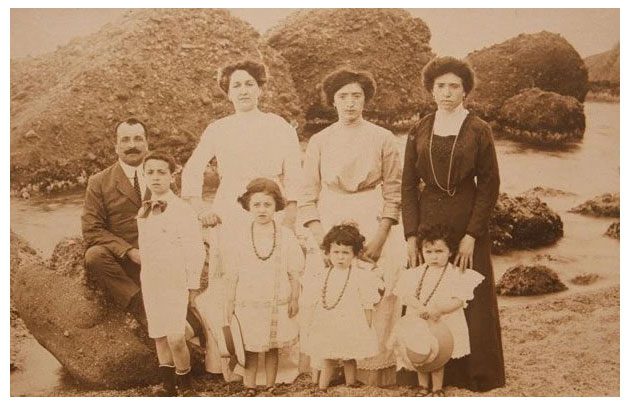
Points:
(263, 292)
(343, 332)
(454, 284)
(172, 253)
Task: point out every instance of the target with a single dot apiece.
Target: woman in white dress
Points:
(246, 145)
(352, 172)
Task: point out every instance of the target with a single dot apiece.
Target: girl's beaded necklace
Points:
(344, 287)
(420, 286)
(272, 250)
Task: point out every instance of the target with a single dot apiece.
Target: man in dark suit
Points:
(112, 200)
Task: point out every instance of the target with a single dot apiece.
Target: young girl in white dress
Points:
(341, 326)
(263, 288)
(172, 253)
(436, 291)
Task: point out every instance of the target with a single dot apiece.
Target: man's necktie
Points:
(154, 206)
(136, 186)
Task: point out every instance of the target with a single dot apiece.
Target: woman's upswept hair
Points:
(346, 234)
(255, 69)
(343, 76)
(444, 65)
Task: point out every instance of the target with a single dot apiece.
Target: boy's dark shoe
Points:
(168, 385)
(184, 385)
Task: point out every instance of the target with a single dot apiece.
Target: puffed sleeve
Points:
(465, 285)
(369, 284)
(391, 174)
(193, 247)
(487, 173)
(194, 169)
(311, 182)
(296, 260)
(410, 192)
(292, 179)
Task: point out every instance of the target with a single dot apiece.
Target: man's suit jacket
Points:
(110, 210)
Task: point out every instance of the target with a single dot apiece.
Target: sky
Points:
(454, 31)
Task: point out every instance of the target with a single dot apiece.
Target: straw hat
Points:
(428, 344)
(234, 344)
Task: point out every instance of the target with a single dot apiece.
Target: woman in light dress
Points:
(246, 145)
(352, 172)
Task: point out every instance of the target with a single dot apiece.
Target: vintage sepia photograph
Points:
(314, 202)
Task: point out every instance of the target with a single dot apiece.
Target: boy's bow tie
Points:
(156, 206)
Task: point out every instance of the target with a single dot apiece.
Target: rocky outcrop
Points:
(613, 231)
(157, 65)
(389, 43)
(585, 279)
(529, 280)
(606, 205)
(523, 223)
(604, 75)
(98, 344)
(543, 191)
(543, 60)
(542, 118)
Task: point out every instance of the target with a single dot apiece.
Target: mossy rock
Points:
(529, 280)
(613, 231)
(605, 205)
(542, 118)
(390, 43)
(159, 65)
(543, 60)
(523, 223)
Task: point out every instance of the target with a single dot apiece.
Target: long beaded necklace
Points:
(272, 250)
(448, 190)
(420, 286)
(325, 304)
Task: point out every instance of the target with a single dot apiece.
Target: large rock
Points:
(542, 118)
(529, 280)
(606, 205)
(391, 44)
(99, 345)
(523, 223)
(158, 65)
(543, 60)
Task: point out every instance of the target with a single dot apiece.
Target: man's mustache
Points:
(132, 150)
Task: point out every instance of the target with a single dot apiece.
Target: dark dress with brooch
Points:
(466, 210)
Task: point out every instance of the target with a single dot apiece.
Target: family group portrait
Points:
(314, 202)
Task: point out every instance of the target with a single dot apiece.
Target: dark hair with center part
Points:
(343, 76)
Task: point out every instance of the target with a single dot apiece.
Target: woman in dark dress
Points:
(452, 153)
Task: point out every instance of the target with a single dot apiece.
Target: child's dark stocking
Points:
(184, 383)
(168, 381)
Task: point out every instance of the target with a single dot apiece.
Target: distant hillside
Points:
(604, 75)
(604, 66)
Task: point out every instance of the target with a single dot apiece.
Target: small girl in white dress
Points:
(433, 291)
(263, 289)
(341, 326)
(172, 253)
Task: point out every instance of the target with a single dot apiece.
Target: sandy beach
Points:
(556, 345)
